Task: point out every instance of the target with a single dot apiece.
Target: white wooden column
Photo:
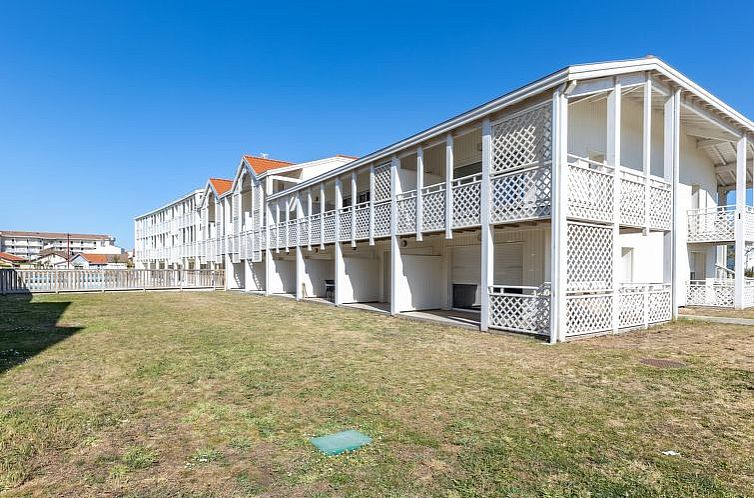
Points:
(288, 204)
(300, 268)
(371, 205)
(419, 195)
(646, 156)
(449, 186)
(354, 195)
(338, 248)
(277, 224)
(488, 233)
(559, 201)
(614, 160)
(268, 244)
(396, 262)
(673, 160)
(309, 219)
(322, 207)
(740, 226)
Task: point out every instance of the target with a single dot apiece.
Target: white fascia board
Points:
(170, 204)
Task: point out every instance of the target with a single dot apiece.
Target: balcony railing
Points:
(520, 308)
(712, 225)
(716, 293)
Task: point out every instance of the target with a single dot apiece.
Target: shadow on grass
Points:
(28, 328)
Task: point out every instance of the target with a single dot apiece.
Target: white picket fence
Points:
(20, 281)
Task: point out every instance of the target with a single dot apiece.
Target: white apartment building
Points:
(593, 200)
(29, 244)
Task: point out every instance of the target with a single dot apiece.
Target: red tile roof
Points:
(95, 259)
(11, 257)
(220, 185)
(260, 164)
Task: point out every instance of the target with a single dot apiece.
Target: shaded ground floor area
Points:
(217, 394)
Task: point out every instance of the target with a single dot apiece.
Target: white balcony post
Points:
(322, 207)
(309, 218)
(740, 227)
(647, 150)
(354, 195)
(268, 243)
(299, 252)
(288, 203)
(559, 238)
(339, 262)
(419, 195)
(488, 233)
(614, 159)
(396, 261)
(673, 149)
(449, 186)
(277, 224)
(371, 205)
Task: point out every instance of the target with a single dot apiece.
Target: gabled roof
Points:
(261, 164)
(220, 185)
(51, 252)
(94, 259)
(11, 257)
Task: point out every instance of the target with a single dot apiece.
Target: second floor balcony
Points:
(718, 224)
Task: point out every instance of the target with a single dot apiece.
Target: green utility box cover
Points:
(335, 444)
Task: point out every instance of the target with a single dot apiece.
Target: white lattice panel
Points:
(588, 314)
(362, 222)
(715, 224)
(522, 140)
(631, 203)
(382, 190)
(329, 221)
(466, 203)
(303, 231)
(590, 194)
(660, 305)
(589, 257)
(345, 224)
(433, 210)
(521, 195)
(520, 313)
(382, 219)
(749, 293)
(719, 295)
(407, 215)
(660, 207)
(749, 223)
(316, 229)
(631, 308)
(293, 234)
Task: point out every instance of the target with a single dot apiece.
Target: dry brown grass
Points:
(723, 312)
(215, 394)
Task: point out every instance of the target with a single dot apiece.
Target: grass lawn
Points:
(216, 394)
(723, 312)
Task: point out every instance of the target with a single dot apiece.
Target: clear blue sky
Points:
(109, 109)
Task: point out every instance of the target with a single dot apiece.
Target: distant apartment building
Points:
(29, 244)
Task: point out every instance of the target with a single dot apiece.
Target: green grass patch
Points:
(217, 394)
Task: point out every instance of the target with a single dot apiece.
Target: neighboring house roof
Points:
(51, 252)
(94, 259)
(53, 235)
(102, 259)
(261, 164)
(220, 185)
(11, 257)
